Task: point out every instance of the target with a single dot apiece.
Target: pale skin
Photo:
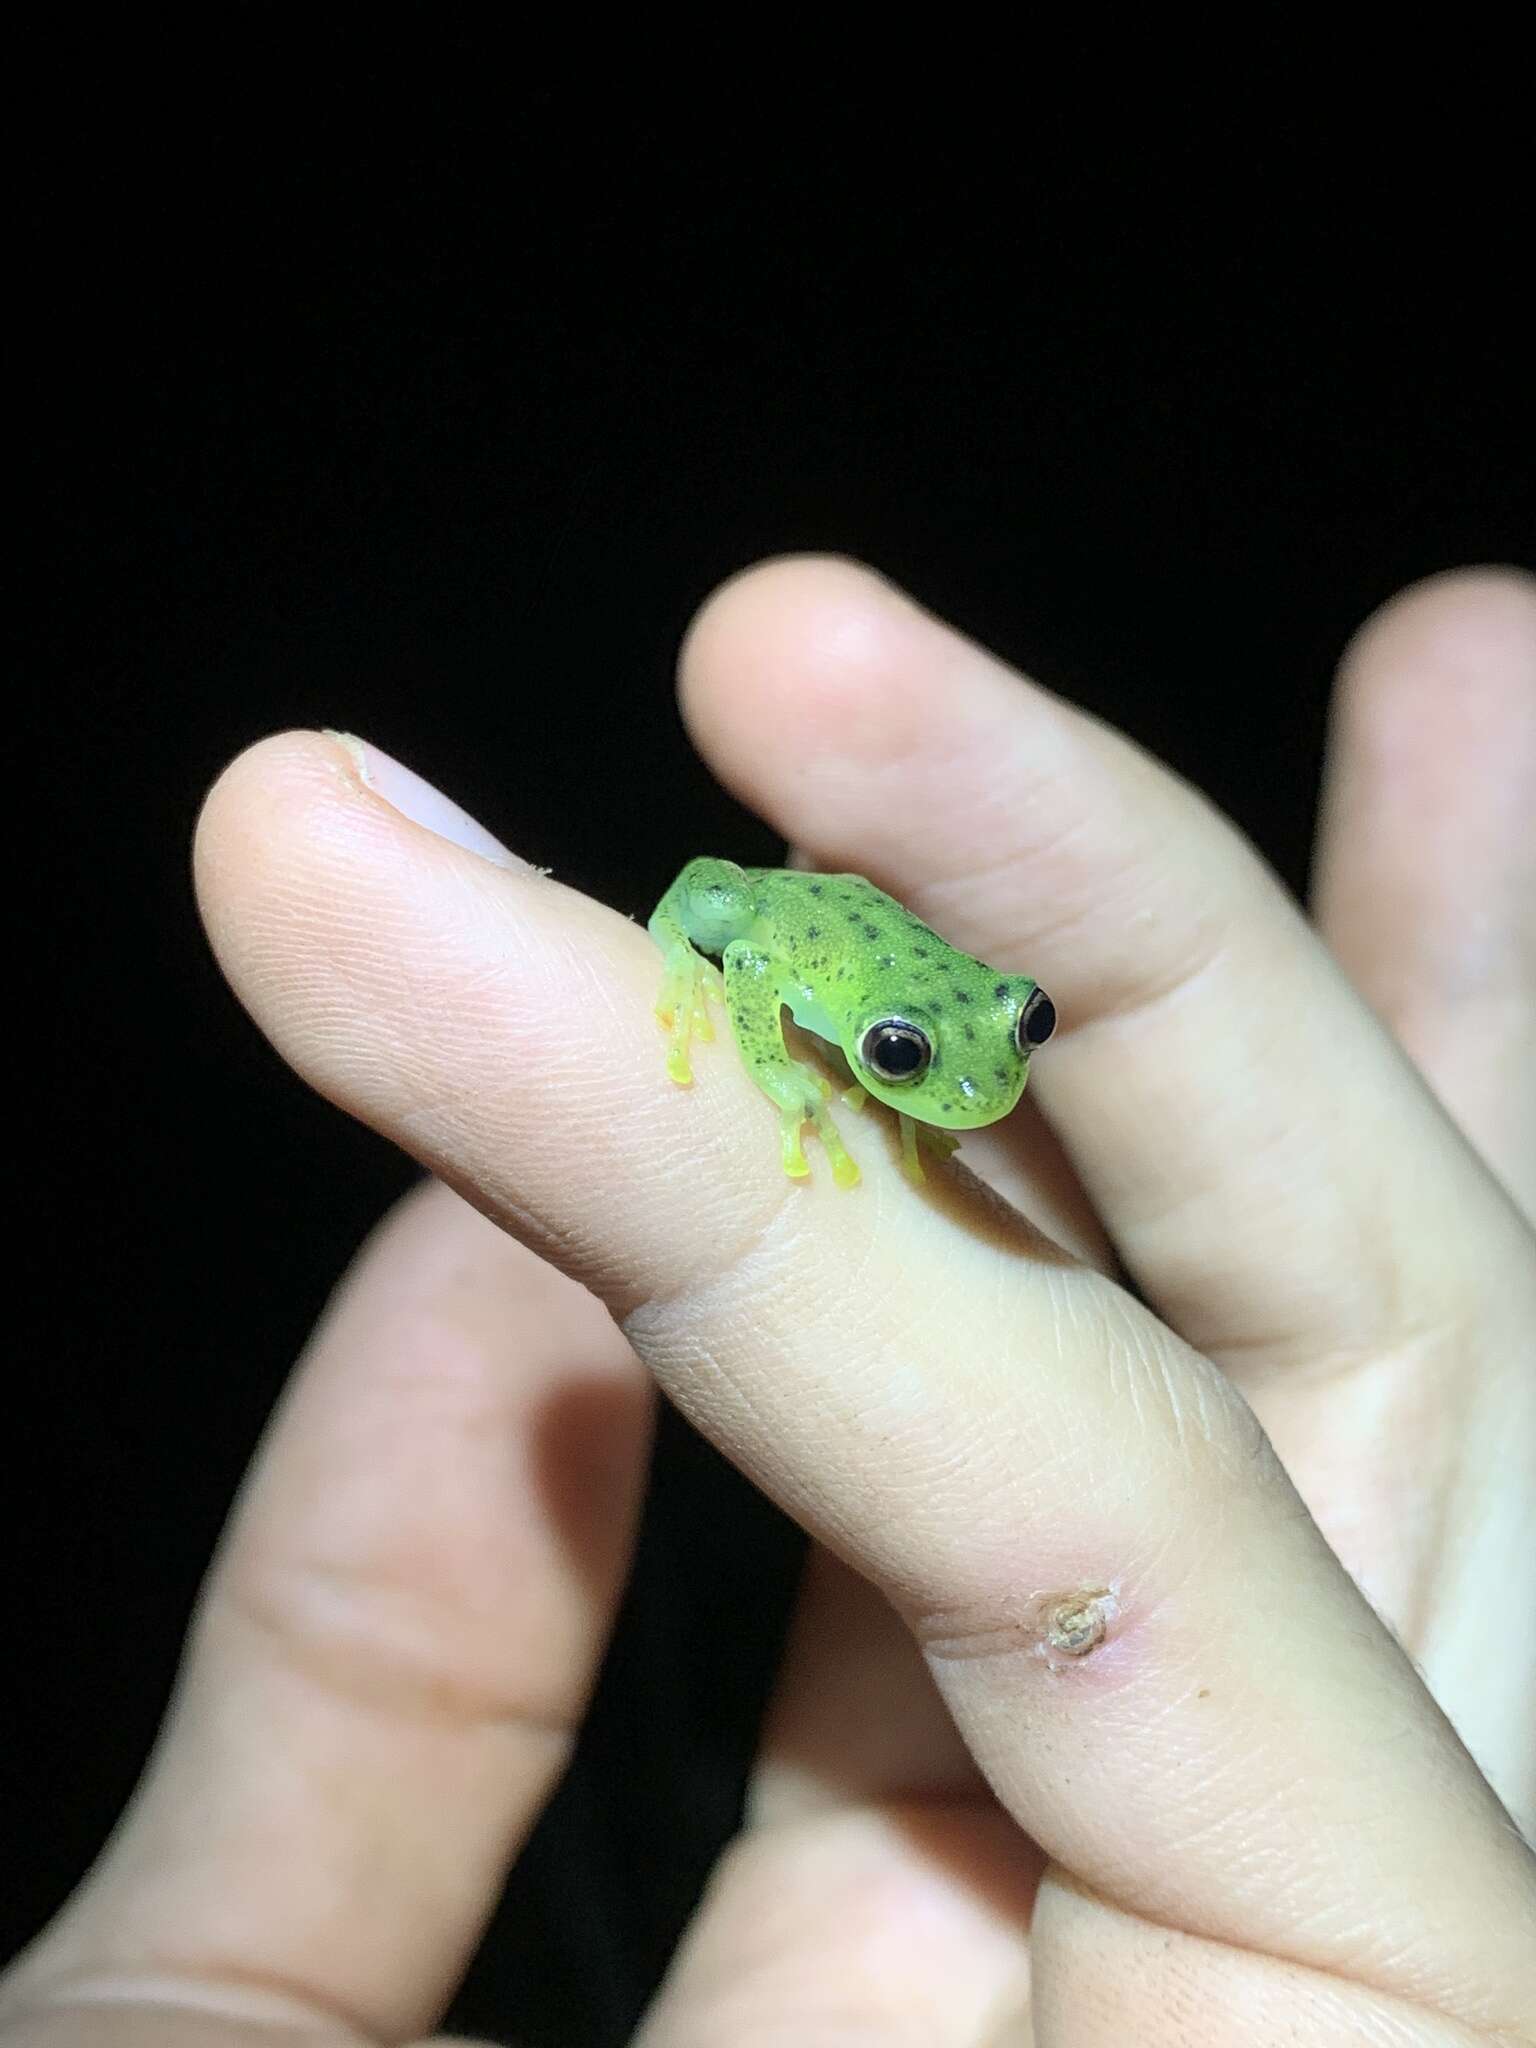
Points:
(1165, 1672)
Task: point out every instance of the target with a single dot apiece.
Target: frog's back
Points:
(822, 919)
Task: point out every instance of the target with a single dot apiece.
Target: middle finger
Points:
(1269, 1164)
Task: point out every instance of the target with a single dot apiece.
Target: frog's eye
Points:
(1037, 1020)
(896, 1051)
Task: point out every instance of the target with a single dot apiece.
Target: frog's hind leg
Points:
(688, 982)
(704, 907)
(799, 1092)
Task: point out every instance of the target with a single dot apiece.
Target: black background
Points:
(397, 382)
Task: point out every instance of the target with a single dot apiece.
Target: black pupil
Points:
(897, 1053)
(1039, 1020)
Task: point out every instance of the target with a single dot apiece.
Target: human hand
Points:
(1240, 1814)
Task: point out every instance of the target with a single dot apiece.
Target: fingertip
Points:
(1496, 585)
(811, 590)
(1460, 643)
(275, 769)
(274, 794)
(297, 771)
(791, 648)
(1422, 876)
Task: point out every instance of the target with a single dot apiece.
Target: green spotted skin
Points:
(841, 956)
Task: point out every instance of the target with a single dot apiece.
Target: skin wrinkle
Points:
(491, 986)
(989, 871)
(697, 1362)
(1367, 1980)
(1277, 1131)
(1059, 929)
(1139, 1356)
(1447, 1337)
(1422, 1581)
(1251, 1854)
(297, 1610)
(1003, 1620)
(750, 1269)
(673, 1349)
(236, 1995)
(720, 1269)
(1136, 1004)
(1377, 1311)
(441, 1118)
(1383, 2005)
(1021, 1487)
(978, 871)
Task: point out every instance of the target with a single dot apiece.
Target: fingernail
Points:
(417, 800)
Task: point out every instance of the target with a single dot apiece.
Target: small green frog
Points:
(935, 1035)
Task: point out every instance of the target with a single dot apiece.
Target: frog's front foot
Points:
(810, 1109)
(683, 1007)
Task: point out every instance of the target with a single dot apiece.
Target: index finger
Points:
(1075, 1513)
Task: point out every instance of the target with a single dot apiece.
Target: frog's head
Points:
(959, 1057)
